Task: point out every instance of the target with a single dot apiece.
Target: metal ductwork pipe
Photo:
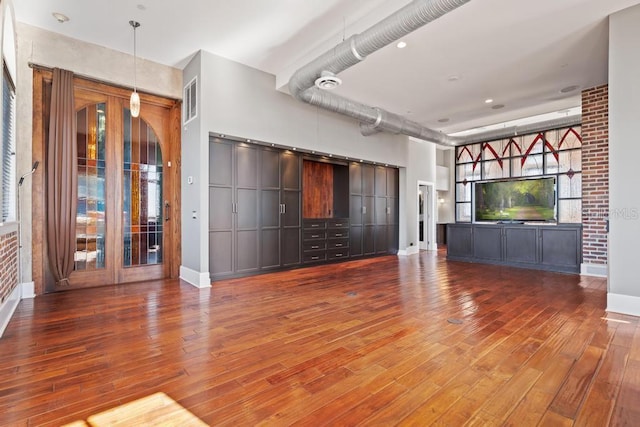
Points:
(355, 49)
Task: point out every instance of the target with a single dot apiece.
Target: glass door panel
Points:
(142, 214)
(91, 203)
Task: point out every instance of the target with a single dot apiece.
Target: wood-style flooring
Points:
(385, 341)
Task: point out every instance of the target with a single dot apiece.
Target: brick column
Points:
(595, 179)
(8, 264)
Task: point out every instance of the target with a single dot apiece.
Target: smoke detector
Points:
(327, 81)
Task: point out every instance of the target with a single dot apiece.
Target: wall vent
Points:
(190, 100)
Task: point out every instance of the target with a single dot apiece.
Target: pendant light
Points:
(134, 103)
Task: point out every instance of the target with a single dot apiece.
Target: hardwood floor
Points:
(384, 341)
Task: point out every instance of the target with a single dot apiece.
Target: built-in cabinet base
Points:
(541, 247)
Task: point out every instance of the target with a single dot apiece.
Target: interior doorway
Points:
(128, 195)
(426, 216)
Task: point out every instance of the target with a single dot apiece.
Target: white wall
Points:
(241, 101)
(624, 152)
(54, 50)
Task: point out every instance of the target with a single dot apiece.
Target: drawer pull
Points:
(315, 257)
(338, 255)
(315, 236)
(338, 225)
(338, 234)
(338, 245)
(315, 225)
(315, 247)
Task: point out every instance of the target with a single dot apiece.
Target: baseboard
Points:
(8, 307)
(623, 304)
(28, 290)
(595, 270)
(197, 279)
(411, 250)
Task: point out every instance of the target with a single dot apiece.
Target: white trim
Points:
(8, 307)
(195, 278)
(28, 290)
(624, 304)
(411, 250)
(595, 270)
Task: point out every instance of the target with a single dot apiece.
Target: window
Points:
(8, 154)
(190, 100)
(556, 152)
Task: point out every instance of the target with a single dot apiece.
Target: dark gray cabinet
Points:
(543, 247)
(233, 208)
(325, 239)
(374, 209)
(254, 208)
(280, 219)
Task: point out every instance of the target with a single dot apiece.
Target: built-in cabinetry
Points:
(233, 208)
(543, 247)
(325, 239)
(280, 220)
(254, 208)
(373, 203)
(271, 209)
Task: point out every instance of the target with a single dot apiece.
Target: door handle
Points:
(364, 209)
(167, 211)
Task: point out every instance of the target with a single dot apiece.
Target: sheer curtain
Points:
(62, 177)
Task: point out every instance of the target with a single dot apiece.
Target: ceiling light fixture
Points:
(401, 45)
(134, 102)
(569, 89)
(488, 101)
(327, 81)
(60, 17)
(497, 107)
(444, 120)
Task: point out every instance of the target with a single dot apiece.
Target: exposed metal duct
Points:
(356, 48)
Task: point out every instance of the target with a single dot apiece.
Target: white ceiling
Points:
(520, 53)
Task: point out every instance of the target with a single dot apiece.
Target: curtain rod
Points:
(91, 79)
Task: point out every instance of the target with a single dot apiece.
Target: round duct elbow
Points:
(327, 81)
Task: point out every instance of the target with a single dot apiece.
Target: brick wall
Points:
(595, 174)
(8, 264)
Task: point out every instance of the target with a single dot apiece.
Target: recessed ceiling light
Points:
(488, 101)
(141, 7)
(445, 120)
(60, 17)
(453, 78)
(294, 148)
(401, 45)
(569, 89)
(497, 107)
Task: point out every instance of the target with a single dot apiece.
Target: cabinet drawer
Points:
(314, 235)
(338, 234)
(314, 246)
(338, 223)
(314, 224)
(338, 244)
(314, 256)
(338, 254)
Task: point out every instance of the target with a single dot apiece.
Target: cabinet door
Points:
(487, 243)
(269, 169)
(355, 210)
(393, 182)
(368, 239)
(459, 241)
(381, 239)
(368, 210)
(381, 211)
(368, 180)
(381, 181)
(291, 210)
(269, 228)
(355, 178)
(521, 245)
(220, 163)
(560, 247)
(291, 246)
(290, 170)
(355, 241)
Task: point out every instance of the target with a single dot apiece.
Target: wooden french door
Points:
(127, 224)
